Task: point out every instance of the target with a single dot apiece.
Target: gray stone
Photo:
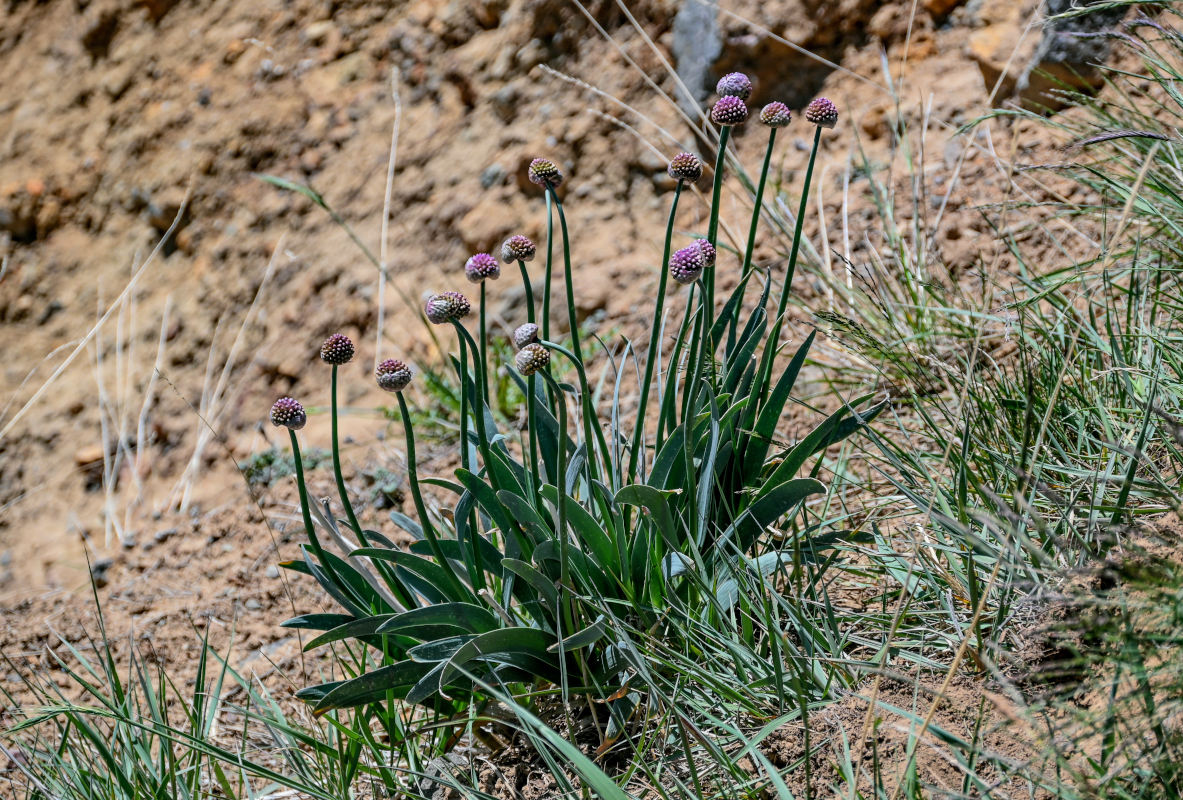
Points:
(698, 41)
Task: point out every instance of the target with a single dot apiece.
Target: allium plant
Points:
(558, 541)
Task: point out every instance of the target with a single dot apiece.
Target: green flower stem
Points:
(309, 528)
(352, 517)
(417, 495)
(573, 319)
(747, 256)
(546, 287)
(561, 509)
(529, 289)
(531, 423)
(463, 375)
(796, 249)
(392, 580)
(713, 228)
(484, 349)
(567, 620)
(764, 376)
(654, 338)
(588, 415)
(696, 355)
(479, 409)
(668, 419)
(530, 400)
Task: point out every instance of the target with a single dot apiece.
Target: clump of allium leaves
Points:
(564, 535)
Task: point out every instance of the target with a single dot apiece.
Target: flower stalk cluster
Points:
(568, 507)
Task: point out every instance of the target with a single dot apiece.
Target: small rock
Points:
(940, 8)
(492, 175)
(272, 571)
(99, 570)
(88, 455)
(252, 605)
(698, 41)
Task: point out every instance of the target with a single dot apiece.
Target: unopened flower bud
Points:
(337, 349)
(531, 358)
(544, 173)
(393, 375)
(729, 110)
(822, 112)
(776, 115)
(685, 167)
(706, 251)
(482, 266)
(734, 84)
(525, 334)
(287, 413)
(686, 265)
(446, 307)
(518, 248)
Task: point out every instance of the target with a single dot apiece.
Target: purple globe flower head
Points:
(686, 265)
(685, 167)
(446, 307)
(337, 349)
(822, 113)
(393, 375)
(531, 358)
(729, 110)
(482, 267)
(518, 248)
(776, 115)
(287, 413)
(544, 173)
(706, 251)
(525, 334)
(734, 84)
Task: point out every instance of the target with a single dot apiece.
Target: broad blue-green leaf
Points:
(769, 508)
(762, 434)
(656, 502)
(350, 630)
(436, 619)
(407, 524)
(765, 565)
(541, 584)
(821, 437)
(373, 686)
(529, 642)
(317, 622)
(584, 638)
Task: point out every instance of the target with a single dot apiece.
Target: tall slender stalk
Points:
(340, 478)
(797, 228)
(588, 412)
(651, 353)
(417, 495)
(478, 407)
(567, 614)
(713, 227)
(464, 456)
(529, 290)
(747, 256)
(765, 374)
(549, 274)
(484, 377)
(573, 319)
(309, 528)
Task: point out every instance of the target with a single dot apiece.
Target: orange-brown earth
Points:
(134, 378)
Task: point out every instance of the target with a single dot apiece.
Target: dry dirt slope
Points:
(113, 112)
